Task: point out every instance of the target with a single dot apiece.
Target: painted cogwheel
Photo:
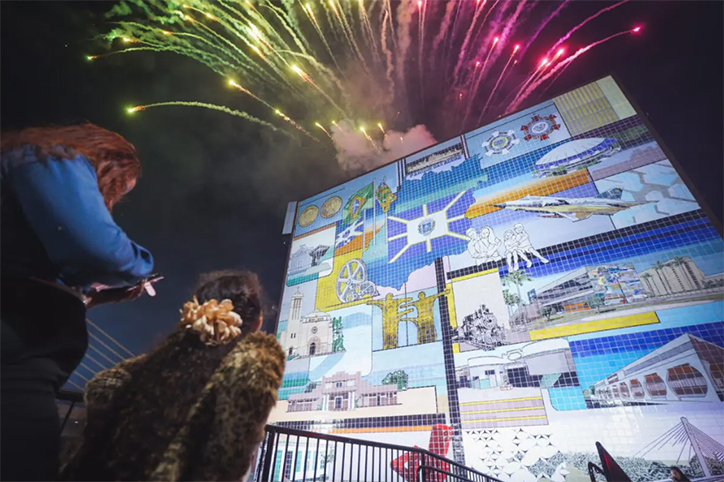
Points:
(540, 127)
(500, 143)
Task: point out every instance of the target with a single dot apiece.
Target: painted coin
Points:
(308, 216)
(331, 207)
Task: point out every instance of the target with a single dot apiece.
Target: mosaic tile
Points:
(538, 285)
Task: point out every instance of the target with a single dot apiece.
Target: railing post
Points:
(594, 469)
(67, 416)
(268, 457)
(423, 464)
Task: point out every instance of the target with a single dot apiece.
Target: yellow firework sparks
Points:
(325, 130)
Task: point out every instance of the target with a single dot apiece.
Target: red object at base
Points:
(408, 464)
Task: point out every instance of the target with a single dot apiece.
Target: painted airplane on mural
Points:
(575, 209)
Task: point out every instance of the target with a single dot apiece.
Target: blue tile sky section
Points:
(648, 341)
(568, 398)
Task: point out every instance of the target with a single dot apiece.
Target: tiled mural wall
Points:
(538, 284)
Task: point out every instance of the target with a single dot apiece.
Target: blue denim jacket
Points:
(55, 225)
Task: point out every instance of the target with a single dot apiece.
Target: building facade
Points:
(615, 284)
(675, 276)
(545, 364)
(343, 392)
(685, 369)
(309, 335)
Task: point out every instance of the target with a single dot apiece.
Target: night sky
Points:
(215, 188)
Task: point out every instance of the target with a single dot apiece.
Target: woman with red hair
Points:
(60, 247)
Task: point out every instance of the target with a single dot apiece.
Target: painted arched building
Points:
(308, 335)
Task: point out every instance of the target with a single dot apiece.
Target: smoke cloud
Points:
(446, 21)
(357, 154)
(404, 19)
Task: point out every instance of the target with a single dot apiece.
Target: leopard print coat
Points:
(216, 441)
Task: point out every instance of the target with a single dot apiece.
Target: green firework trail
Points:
(313, 20)
(204, 105)
(288, 23)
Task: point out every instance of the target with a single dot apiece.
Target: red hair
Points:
(113, 157)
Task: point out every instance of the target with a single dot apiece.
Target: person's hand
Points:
(115, 295)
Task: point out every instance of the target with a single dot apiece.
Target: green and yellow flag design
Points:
(358, 202)
(385, 196)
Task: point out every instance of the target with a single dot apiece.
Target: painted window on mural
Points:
(655, 385)
(624, 390)
(686, 380)
(637, 389)
(539, 275)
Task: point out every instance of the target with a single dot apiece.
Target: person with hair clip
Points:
(61, 252)
(677, 475)
(195, 407)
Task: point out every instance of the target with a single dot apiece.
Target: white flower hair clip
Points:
(215, 323)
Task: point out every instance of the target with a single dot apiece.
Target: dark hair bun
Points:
(241, 287)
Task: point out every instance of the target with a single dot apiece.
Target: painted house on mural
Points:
(305, 258)
(543, 364)
(343, 392)
(308, 335)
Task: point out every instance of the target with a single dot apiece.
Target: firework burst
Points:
(363, 59)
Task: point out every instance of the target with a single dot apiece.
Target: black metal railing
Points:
(609, 468)
(438, 475)
(289, 455)
(594, 470)
(74, 398)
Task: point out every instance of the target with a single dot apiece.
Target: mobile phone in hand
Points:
(148, 284)
(153, 278)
